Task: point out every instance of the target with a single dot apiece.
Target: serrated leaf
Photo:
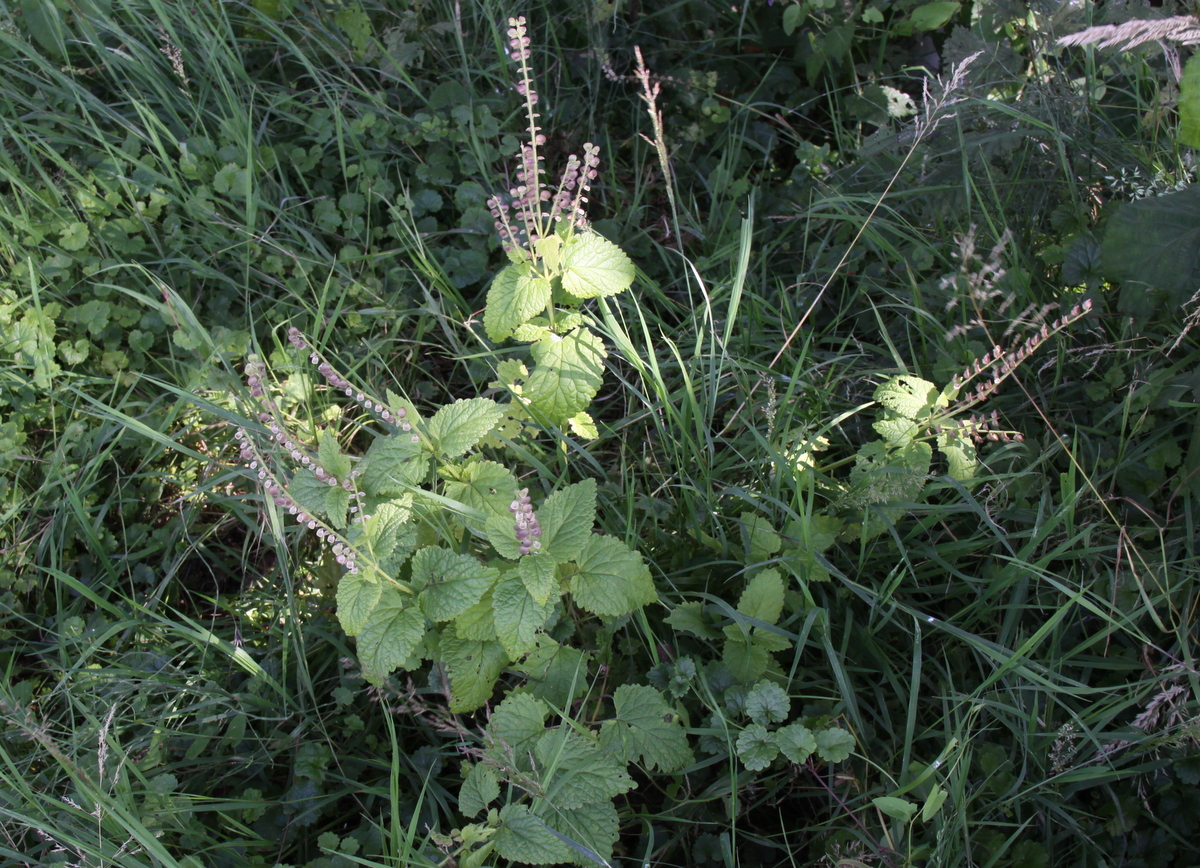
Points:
(478, 790)
(502, 534)
(763, 597)
(522, 837)
(478, 622)
(796, 742)
(516, 725)
(330, 456)
(392, 466)
(689, 618)
(473, 666)
(557, 673)
(483, 485)
(568, 374)
(390, 635)
(337, 506)
(909, 396)
(357, 595)
(457, 427)
(1156, 241)
(612, 580)
(897, 809)
(592, 267)
(518, 616)
(515, 295)
(745, 661)
(834, 744)
(540, 575)
(649, 729)
(767, 702)
(386, 533)
(449, 582)
(591, 831)
(756, 747)
(582, 771)
(961, 458)
(894, 428)
(566, 519)
(760, 539)
(74, 237)
(933, 804)
(582, 425)
(309, 492)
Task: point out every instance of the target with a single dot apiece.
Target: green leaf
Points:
(539, 573)
(516, 725)
(834, 744)
(330, 456)
(591, 831)
(518, 616)
(357, 595)
(583, 771)
(389, 636)
(482, 485)
(502, 534)
(522, 837)
(479, 621)
(387, 534)
(910, 396)
(568, 374)
(756, 748)
(766, 702)
(961, 458)
(763, 597)
(897, 809)
(566, 519)
(1156, 241)
(793, 17)
(612, 580)
(931, 16)
(337, 506)
(796, 741)
(649, 729)
(310, 493)
(450, 583)
(74, 237)
(760, 538)
(582, 425)
(689, 618)
(516, 294)
(745, 661)
(457, 427)
(392, 466)
(592, 267)
(933, 804)
(1189, 104)
(557, 673)
(473, 665)
(478, 790)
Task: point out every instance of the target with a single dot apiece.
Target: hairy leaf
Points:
(392, 466)
(478, 790)
(457, 427)
(516, 725)
(450, 582)
(583, 772)
(592, 266)
(569, 372)
(566, 519)
(763, 597)
(389, 636)
(518, 615)
(473, 666)
(357, 595)
(540, 575)
(591, 831)
(612, 579)
(649, 729)
(522, 837)
(514, 296)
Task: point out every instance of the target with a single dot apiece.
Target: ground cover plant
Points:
(663, 434)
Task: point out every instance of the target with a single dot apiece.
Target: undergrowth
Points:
(446, 434)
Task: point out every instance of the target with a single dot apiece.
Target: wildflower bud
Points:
(296, 338)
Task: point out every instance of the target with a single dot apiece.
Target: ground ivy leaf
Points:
(566, 519)
(539, 573)
(763, 597)
(457, 427)
(592, 266)
(478, 790)
(756, 747)
(796, 741)
(357, 595)
(568, 374)
(834, 744)
(766, 702)
(450, 582)
(650, 729)
(612, 580)
(473, 666)
(514, 296)
(522, 837)
(392, 466)
(583, 771)
(389, 636)
(592, 830)
(518, 615)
